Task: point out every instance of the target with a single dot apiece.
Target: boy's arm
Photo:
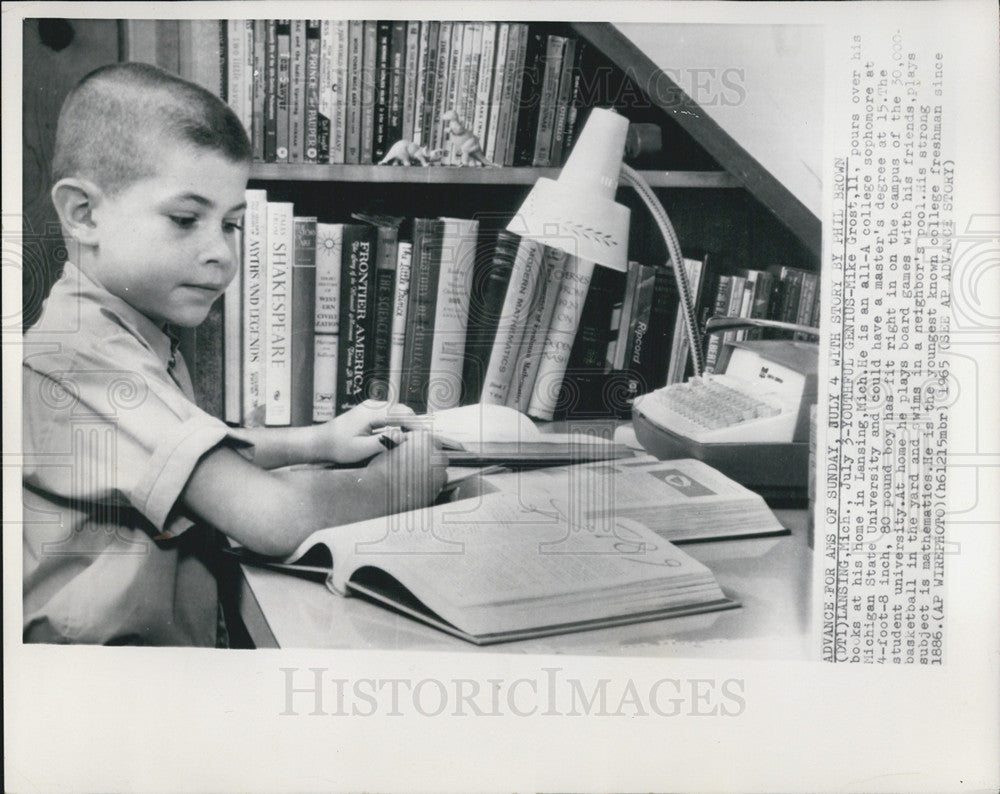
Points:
(346, 439)
(273, 512)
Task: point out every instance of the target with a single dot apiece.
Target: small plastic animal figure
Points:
(466, 144)
(407, 152)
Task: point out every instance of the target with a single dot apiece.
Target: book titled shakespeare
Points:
(492, 569)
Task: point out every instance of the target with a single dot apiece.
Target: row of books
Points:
(436, 313)
(338, 91)
(432, 312)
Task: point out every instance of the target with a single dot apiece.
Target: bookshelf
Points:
(720, 199)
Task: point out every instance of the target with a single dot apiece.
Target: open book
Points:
(490, 569)
(483, 434)
(681, 500)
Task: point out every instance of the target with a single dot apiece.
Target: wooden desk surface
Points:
(770, 576)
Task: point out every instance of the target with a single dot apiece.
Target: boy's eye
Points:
(183, 221)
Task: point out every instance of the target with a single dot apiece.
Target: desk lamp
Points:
(577, 214)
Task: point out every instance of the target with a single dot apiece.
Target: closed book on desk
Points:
(491, 570)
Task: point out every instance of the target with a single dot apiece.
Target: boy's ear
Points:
(75, 200)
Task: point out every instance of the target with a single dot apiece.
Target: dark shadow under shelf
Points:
(312, 172)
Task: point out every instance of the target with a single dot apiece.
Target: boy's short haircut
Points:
(113, 122)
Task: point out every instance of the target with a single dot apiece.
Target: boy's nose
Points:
(219, 250)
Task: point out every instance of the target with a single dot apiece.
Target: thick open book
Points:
(492, 569)
(681, 500)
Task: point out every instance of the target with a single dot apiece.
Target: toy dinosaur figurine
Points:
(406, 152)
(465, 143)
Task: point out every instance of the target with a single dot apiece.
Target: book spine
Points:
(355, 54)
(271, 93)
(489, 286)
(311, 143)
(736, 290)
(296, 91)
(383, 71)
(236, 75)
(472, 41)
(585, 367)
(807, 301)
(284, 39)
(536, 329)
(440, 80)
(397, 87)
(277, 373)
(763, 287)
(423, 93)
(679, 352)
(638, 331)
(555, 49)
(496, 89)
(329, 248)
(303, 305)
(791, 279)
(325, 90)
(338, 97)
(484, 83)
(202, 54)
(527, 104)
(573, 289)
(510, 94)
(447, 344)
(324, 376)
(746, 304)
(510, 329)
(719, 309)
(254, 301)
(451, 94)
(355, 289)
(232, 324)
(420, 311)
(563, 98)
(369, 79)
(259, 88)
(655, 354)
(400, 301)
(411, 80)
(817, 309)
(329, 256)
(577, 100)
(385, 285)
(617, 359)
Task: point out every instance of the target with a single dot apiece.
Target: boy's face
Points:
(167, 244)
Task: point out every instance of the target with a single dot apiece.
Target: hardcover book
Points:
(562, 571)
(254, 302)
(278, 315)
(301, 354)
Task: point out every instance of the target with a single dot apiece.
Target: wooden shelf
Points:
(453, 175)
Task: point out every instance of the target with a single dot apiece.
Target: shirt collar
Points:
(162, 342)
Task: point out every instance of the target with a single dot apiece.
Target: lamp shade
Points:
(577, 213)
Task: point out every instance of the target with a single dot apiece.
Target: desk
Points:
(770, 576)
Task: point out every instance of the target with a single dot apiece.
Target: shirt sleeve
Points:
(122, 433)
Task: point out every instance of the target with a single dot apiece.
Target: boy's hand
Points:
(413, 472)
(348, 438)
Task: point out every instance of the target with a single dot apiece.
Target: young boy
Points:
(124, 477)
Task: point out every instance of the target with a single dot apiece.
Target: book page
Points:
(682, 498)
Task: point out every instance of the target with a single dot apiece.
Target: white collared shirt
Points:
(111, 436)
